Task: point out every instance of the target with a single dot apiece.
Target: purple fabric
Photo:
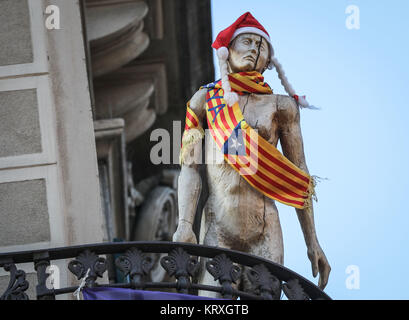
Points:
(104, 293)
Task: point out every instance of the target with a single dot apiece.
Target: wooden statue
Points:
(240, 213)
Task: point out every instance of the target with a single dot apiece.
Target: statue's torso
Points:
(237, 215)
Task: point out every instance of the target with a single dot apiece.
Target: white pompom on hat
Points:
(246, 23)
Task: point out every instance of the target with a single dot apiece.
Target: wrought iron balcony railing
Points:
(135, 260)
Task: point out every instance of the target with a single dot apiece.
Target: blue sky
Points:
(359, 138)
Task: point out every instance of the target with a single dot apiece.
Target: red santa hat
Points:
(246, 23)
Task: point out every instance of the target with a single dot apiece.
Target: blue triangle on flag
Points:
(235, 144)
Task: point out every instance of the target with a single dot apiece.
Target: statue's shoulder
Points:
(199, 95)
(197, 102)
(199, 98)
(286, 106)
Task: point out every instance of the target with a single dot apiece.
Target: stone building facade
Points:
(82, 86)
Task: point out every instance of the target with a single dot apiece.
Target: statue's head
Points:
(246, 46)
(249, 52)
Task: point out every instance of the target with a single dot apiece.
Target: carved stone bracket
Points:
(264, 283)
(294, 291)
(223, 270)
(88, 260)
(136, 264)
(115, 32)
(181, 265)
(17, 285)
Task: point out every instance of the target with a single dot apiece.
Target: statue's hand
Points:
(319, 264)
(184, 233)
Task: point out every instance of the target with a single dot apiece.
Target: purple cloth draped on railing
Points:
(105, 293)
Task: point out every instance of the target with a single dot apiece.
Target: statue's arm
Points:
(189, 182)
(293, 148)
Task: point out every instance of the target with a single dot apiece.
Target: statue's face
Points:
(243, 53)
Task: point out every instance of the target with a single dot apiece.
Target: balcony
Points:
(182, 263)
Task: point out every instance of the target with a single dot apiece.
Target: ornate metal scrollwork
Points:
(222, 269)
(264, 283)
(181, 265)
(294, 291)
(17, 285)
(136, 264)
(259, 278)
(88, 260)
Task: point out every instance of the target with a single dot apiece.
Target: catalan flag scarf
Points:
(261, 164)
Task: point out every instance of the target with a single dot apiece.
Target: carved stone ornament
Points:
(136, 264)
(264, 283)
(17, 285)
(88, 260)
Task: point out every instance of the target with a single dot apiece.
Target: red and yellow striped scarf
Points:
(261, 164)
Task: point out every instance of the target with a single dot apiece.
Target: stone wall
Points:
(49, 189)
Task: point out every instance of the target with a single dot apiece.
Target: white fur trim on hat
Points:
(251, 30)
